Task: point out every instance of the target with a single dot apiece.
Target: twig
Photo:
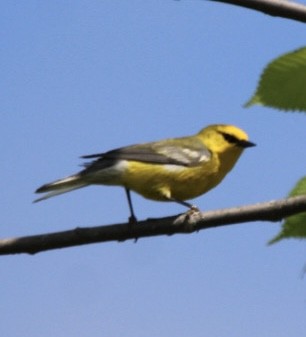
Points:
(280, 8)
(185, 223)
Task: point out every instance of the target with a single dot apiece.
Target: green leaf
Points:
(283, 83)
(299, 189)
(295, 225)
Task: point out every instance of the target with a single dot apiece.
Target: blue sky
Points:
(81, 77)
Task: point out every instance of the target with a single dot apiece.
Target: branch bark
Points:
(189, 222)
(280, 8)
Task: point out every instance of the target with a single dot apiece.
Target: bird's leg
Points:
(132, 218)
(186, 204)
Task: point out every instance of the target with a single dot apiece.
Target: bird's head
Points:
(221, 138)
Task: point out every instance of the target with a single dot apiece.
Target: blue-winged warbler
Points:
(175, 169)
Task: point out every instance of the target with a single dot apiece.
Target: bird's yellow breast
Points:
(161, 182)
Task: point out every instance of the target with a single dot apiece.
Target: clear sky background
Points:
(80, 77)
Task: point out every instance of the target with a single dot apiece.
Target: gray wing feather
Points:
(181, 152)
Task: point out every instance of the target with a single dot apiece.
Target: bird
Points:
(174, 169)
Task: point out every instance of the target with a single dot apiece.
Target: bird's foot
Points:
(188, 219)
(131, 225)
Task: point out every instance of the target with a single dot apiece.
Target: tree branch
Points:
(280, 8)
(185, 223)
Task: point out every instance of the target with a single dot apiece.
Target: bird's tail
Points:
(60, 186)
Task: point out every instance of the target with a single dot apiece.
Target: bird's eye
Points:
(231, 139)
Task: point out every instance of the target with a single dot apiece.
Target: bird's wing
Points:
(182, 151)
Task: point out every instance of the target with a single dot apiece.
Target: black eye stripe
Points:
(230, 138)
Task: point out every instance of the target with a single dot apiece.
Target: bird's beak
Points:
(246, 143)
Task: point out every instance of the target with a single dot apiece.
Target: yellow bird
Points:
(175, 169)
